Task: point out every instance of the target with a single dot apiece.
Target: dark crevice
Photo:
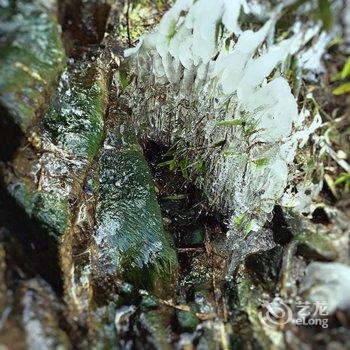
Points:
(10, 136)
(180, 200)
(327, 194)
(319, 216)
(281, 232)
(264, 267)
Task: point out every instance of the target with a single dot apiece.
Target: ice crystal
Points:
(220, 89)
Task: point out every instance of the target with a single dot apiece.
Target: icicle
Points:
(238, 95)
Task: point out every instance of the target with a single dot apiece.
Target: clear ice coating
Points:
(206, 81)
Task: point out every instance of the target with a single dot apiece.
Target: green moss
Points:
(129, 218)
(74, 124)
(32, 56)
(250, 301)
(75, 118)
(315, 245)
(129, 230)
(187, 321)
(48, 209)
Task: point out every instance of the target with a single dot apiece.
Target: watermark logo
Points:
(277, 313)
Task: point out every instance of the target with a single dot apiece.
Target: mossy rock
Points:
(32, 57)
(49, 210)
(149, 302)
(187, 321)
(130, 241)
(66, 140)
(314, 245)
(74, 120)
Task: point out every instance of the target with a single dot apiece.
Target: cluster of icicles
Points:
(204, 80)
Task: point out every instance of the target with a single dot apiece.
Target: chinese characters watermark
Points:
(277, 313)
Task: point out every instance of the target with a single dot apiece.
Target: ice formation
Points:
(220, 89)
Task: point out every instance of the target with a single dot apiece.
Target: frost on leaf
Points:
(220, 89)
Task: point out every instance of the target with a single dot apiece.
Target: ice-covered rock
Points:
(205, 80)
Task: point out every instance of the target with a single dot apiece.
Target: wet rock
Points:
(155, 337)
(32, 57)
(316, 246)
(129, 238)
(149, 302)
(314, 240)
(310, 241)
(83, 24)
(31, 312)
(75, 120)
(187, 321)
(117, 244)
(47, 176)
(48, 172)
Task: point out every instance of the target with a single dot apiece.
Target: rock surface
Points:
(32, 57)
